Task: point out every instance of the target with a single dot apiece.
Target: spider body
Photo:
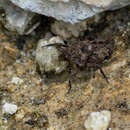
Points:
(87, 54)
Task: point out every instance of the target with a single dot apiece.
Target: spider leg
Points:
(69, 82)
(70, 86)
(101, 71)
(72, 73)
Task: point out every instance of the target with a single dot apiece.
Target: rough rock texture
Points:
(98, 120)
(16, 19)
(67, 30)
(72, 11)
(48, 57)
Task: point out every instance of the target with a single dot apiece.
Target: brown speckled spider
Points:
(86, 54)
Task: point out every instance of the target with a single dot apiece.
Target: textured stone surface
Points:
(16, 19)
(67, 30)
(48, 57)
(98, 120)
(72, 11)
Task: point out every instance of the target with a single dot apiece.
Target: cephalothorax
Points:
(87, 54)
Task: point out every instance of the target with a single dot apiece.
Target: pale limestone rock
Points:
(67, 30)
(48, 57)
(98, 120)
(72, 11)
(9, 108)
(17, 19)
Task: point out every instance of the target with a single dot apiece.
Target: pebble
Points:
(16, 80)
(19, 115)
(98, 120)
(9, 108)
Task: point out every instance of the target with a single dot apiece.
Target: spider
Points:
(86, 54)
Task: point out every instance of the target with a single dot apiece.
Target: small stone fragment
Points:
(20, 115)
(98, 121)
(16, 80)
(12, 87)
(9, 108)
(48, 57)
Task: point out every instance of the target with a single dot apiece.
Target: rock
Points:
(48, 57)
(67, 30)
(16, 19)
(16, 80)
(9, 108)
(19, 115)
(98, 121)
(72, 11)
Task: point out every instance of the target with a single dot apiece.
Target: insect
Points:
(86, 54)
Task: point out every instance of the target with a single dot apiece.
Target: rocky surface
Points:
(69, 11)
(48, 106)
(72, 11)
(16, 19)
(67, 30)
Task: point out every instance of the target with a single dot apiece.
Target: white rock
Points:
(98, 120)
(48, 57)
(9, 108)
(16, 80)
(72, 11)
